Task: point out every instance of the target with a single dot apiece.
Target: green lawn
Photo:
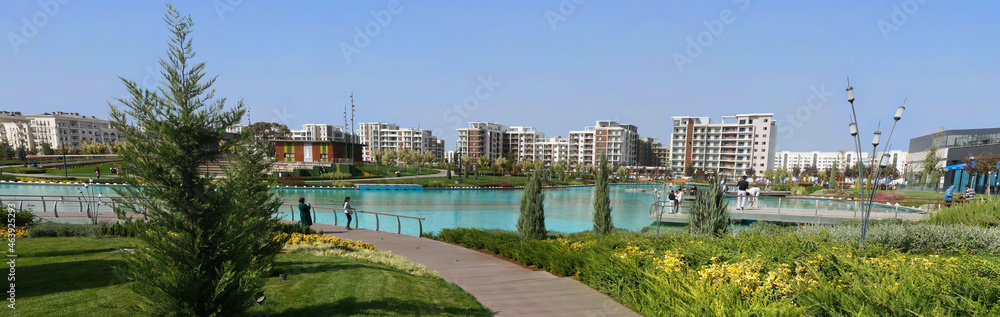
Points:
(74, 277)
(85, 172)
(403, 171)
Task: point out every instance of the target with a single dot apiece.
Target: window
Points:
(756, 143)
(765, 120)
(756, 135)
(751, 121)
(743, 122)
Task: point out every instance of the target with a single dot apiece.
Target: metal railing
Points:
(399, 226)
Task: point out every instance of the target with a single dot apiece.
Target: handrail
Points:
(399, 227)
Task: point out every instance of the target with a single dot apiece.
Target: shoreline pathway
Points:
(507, 289)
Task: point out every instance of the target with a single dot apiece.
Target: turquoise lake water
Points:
(566, 209)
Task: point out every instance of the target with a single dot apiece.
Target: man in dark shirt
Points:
(741, 192)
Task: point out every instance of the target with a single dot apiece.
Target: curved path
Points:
(505, 288)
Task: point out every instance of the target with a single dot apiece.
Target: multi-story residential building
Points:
(619, 143)
(57, 129)
(482, 139)
(736, 146)
(387, 136)
(662, 154)
(824, 161)
(552, 150)
(520, 142)
(322, 132)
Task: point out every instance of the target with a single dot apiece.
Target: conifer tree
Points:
(207, 242)
(709, 214)
(531, 222)
(602, 198)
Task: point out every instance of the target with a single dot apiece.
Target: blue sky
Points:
(555, 65)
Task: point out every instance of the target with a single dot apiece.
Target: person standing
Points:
(673, 199)
(741, 192)
(348, 211)
(304, 214)
(97, 171)
(680, 198)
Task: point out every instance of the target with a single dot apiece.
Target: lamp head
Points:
(899, 113)
(885, 160)
(850, 94)
(854, 129)
(876, 138)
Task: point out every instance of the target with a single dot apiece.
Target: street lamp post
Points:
(883, 161)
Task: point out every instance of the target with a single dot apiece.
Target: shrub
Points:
(21, 218)
(291, 181)
(505, 184)
(51, 229)
(982, 213)
(24, 170)
(290, 228)
(120, 229)
(372, 256)
(916, 237)
(709, 214)
(435, 184)
(336, 175)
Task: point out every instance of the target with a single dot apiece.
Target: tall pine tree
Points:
(602, 198)
(531, 222)
(208, 241)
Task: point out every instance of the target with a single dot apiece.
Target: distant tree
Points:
(208, 243)
(483, 162)
(390, 156)
(499, 163)
(6, 150)
(709, 215)
(974, 167)
(602, 198)
(751, 172)
(47, 148)
(531, 221)
(266, 131)
(990, 168)
(377, 155)
(769, 174)
(623, 172)
(688, 170)
(929, 165)
(796, 172)
(832, 174)
(465, 160)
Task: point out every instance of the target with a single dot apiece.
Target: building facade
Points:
(738, 145)
(316, 151)
(482, 139)
(618, 142)
(322, 132)
(57, 129)
(824, 161)
(953, 147)
(386, 136)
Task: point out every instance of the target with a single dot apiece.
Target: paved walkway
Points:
(505, 288)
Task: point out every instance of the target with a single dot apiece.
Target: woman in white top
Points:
(349, 211)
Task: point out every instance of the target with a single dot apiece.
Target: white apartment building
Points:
(387, 136)
(552, 150)
(57, 129)
(732, 147)
(481, 139)
(322, 132)
(619, 142)
(521, 142)
(824, 160)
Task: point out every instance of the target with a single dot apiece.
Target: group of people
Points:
(306, 216)
(112, 170)
(746, 195)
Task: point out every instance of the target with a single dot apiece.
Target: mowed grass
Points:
(75, 277)
(403, 171)
(85, 172)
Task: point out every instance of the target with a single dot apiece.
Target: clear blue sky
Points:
(555, 65)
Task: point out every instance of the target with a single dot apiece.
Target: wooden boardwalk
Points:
(507, 289)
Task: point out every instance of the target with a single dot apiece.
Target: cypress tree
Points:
(207, 242)
(602, 198)
(709, 214)
(531, 222)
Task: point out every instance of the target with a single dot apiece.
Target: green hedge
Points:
(21, 218)
(763, 270)
(24, 170)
